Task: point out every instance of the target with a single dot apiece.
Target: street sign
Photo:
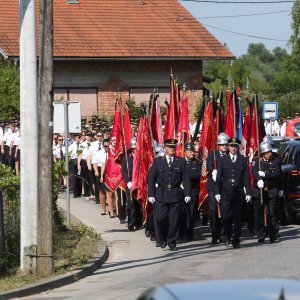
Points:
(74, 117)
(270, 111)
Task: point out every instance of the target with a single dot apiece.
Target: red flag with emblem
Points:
(246, 130)
(143, 158)
(183, 127)
(206, 144)
(117, 132)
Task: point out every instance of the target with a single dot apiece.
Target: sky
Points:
(273, 26)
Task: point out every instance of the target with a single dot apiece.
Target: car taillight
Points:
(295, 172)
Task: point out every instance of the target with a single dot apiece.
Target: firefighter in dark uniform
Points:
(134, 210)
(189, 210)
(214, 207)
(232, 177)
(168, 172)
(267, 178)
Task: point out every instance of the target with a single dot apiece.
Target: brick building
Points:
(105, 48)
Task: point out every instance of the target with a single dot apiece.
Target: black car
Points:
(289, 152)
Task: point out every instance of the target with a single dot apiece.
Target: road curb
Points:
(55, 282)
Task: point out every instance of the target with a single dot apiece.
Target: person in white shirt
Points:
(283, 128)
(99, 161)
(83, 162)
(75, 150)
(16, 150)
(8, 138)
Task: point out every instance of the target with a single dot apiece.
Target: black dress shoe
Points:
(131, 228)
(226, 241)
(152, 238)
(158, 244)
(147, 233)
(172, 248)
(163, 244)
(236, 245)
(261, 239)
(273, 240)
(214, 241)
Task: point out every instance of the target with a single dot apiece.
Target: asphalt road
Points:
(135, 264)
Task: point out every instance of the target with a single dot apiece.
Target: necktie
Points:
(77, 146)
(233, 159)
(170, 162)
(99, 146)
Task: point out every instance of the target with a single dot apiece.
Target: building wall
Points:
(117, 78)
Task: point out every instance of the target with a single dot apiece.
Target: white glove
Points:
(129, 185)
(187, 199)
(151, 199)
(260, 184)
(280, 194)
(248, 198)
(214, 175)
(218, 198)
(262, 173)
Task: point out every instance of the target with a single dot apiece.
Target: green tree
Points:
(9, 90)
(295, 38)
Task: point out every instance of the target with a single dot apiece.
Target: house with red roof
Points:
(109, 48)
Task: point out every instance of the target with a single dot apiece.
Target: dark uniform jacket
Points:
(194, 168)
(232, 177)
(210, 165)
(168, 180)
(272, 178)
(127, 177)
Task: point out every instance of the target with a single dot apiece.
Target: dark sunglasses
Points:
(105, 146)
(59, 140)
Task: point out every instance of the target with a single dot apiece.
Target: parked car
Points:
(247, 289)
(293, 128)
(289, 152)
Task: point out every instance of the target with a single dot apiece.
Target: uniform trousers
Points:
(121, 204)
(188, 217)
(215, 221)
(231, 212)
(271, 206)
(85, 177)
(8, 160)
(167, 216)
(134, 211)
(91, 182)
(75, 180)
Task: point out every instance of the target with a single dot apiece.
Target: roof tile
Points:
(118, 28)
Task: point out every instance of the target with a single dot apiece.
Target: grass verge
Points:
(73, 247)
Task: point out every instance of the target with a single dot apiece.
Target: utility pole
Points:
(45, 131)
(28, 118)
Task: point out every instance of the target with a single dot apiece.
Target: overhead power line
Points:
(243, 34)
(246, 15)
(240, 2)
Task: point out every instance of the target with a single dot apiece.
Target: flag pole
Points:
(257, 138)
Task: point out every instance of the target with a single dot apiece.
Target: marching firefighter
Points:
(214, 207)
(134, 209)
(232, 177)
(266, 173)
(189, 210)
(169, 172)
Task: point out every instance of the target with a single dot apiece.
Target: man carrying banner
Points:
(214, 207)
(134, 210)
(232, 177)
(169, 172)
(267, 178)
